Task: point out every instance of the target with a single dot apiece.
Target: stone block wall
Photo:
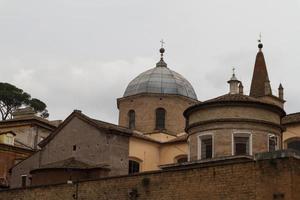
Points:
(235, 180)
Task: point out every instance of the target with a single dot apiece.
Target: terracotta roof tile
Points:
(291, 118)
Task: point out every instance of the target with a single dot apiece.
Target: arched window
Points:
(134, 167)
(294, 144)
(131, 117)
(160, 118)
(181, 158)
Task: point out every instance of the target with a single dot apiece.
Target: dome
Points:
(160, 80)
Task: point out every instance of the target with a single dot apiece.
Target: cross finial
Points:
(233, 70)
(259, 38)
(260, 45)
(162, 43)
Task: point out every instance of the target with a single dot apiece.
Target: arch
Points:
(293, 143)
(131, 119)
(181, 158)
(134, 165)
(160, 114)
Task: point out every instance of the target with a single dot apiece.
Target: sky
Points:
(81, 54)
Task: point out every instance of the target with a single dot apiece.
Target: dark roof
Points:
(234, 98)
(71, 163)
(291, 119)
(260, 76)
(96, 123)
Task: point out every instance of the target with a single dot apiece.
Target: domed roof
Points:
(160, 80)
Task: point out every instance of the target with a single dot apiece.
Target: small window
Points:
(182, 159)
(131, 119)
(74, 147)
(134, 167)
(9, 139)
(206, 147)
(23, 179)
(294, 144)
(160, 118)
(272, 142)
(241, 144)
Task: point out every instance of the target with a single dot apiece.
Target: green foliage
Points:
(12, 98)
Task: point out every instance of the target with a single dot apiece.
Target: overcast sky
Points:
(81, 54)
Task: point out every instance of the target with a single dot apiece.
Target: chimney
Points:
(241, 88)
(280, 92)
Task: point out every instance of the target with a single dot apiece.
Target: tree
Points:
(12, 98)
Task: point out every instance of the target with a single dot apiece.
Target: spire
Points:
(161, 63)
(260, 85)
(233, 83)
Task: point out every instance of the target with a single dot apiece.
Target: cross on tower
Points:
(233, 70)
(162, 43)
(259, 39)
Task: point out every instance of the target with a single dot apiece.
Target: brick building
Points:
(229, 147)
(19, 138)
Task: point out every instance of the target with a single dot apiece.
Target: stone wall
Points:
(234, 180)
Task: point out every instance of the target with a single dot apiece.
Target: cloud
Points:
(76, 54)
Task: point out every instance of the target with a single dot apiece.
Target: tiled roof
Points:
(234, 98)
(96, 123)
(182, 138)
(40, 120)
(71, 163)
(291, 118)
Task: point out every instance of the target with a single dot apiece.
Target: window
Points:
(10, 139)
(23, 179)
(205, 147)
(272, 142)
(181, 158)
(160, 118)
(131, 121)
(242, 144)
(74, 147)
(134, 167)
(294, 144)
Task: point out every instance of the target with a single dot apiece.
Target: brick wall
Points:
(236, 180)
(145, 106)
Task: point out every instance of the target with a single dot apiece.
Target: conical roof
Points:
(260, 78)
